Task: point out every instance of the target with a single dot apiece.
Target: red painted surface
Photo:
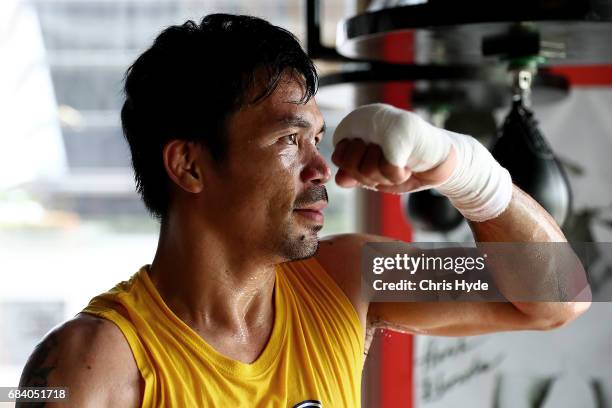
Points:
(586, 75)
(393, 222)
(396, 370)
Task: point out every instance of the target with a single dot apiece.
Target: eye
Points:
(292, 138)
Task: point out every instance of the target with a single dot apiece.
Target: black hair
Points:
(191, 79)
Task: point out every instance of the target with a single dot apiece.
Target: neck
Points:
(208, 283)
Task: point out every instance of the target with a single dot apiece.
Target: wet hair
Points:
(188, 83)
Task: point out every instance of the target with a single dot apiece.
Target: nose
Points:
(316, 170)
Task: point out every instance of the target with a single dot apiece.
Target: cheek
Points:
(266, 181)
(268, 186)
(289, 158)
(279, 170)
(280, 187)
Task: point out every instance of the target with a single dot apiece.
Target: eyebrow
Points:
(299, 121)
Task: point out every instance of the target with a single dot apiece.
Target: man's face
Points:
(267, 197)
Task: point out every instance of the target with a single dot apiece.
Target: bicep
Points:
(449, 318)
(341, 255)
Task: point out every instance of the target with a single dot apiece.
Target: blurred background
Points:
(72, 226)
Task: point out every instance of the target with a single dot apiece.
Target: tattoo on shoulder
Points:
(40, 365)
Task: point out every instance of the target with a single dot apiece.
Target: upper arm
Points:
(340, 255)
(90, 357)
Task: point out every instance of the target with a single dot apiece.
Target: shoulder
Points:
(91, 357)
(340, 256)
(344, 247)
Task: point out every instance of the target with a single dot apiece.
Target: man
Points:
(242, 304)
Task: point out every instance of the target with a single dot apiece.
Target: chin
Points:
(302, 244)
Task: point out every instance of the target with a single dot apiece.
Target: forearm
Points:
(524, 220)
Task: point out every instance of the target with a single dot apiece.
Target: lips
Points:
(313, 212)
(316, 207)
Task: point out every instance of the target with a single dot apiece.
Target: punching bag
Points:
(521, 148)
(431, 211)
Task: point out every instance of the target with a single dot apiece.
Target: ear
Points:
(182, 165)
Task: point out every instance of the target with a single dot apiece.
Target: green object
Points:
(530, 62)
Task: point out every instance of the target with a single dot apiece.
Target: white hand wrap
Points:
(479, 187)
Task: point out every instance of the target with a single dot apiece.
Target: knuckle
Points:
(354, 158)
(392, 173)
(368, 169)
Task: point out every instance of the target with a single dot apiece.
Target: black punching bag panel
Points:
(522, 149)
(431, 211)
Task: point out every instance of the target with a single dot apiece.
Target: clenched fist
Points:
(391, 150)
(362, 164)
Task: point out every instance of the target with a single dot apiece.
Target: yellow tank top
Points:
(313, 358)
